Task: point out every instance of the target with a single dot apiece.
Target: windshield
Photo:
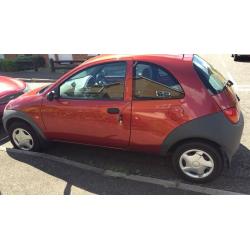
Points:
(213, 79)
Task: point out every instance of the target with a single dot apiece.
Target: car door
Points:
(156, 107)
(92, 107)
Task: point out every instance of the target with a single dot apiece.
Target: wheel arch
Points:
(213, 129)
(174, 146)
(15, 119)
(11, 116)
(221, 150)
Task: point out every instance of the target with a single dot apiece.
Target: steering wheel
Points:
(100, 79)
(90, 81)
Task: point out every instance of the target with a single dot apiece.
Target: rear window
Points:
(213, 79)
(153, 82)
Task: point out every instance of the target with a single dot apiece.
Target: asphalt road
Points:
(235, 179)
(22, 174)
(239, 72)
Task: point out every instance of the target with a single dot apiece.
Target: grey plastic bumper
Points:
(215, 127)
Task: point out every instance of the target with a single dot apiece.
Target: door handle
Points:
(113, 111)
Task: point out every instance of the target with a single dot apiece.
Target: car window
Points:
(153, 82)
(101, 82)
(213, 79)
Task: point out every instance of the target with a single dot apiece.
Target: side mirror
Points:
(52, 95)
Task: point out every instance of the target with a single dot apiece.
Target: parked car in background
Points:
(238, 56)
(167, 105)
(10, 89)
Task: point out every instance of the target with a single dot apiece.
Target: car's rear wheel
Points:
(23, 137)
(198, 161)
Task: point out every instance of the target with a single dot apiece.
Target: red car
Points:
(153, 103)
(10, 88)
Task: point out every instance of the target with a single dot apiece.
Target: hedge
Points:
(8, 65)
(21, 63)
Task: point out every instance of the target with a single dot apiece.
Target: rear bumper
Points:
(233, 135)
(215, 128)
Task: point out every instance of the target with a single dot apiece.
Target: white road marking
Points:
(243, 88)
(138, 178)
(244, 85)
(230, 77)
(223, 63)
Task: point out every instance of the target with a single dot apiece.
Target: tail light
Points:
(232, 114)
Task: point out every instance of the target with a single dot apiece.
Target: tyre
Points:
(23, 137)
(197, 161)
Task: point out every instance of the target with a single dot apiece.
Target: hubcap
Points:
(196, 163)
(23, 139)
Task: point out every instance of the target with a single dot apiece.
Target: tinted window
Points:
(153, 82)
(101, 82)
(114, 69)
(213, 79)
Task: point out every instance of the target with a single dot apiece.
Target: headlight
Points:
(8, 98)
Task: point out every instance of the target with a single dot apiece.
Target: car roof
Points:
(146, 57)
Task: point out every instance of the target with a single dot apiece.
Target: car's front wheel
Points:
(198, 161)
(23, 137)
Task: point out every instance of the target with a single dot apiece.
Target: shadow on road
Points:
(240, 166)
(234, 179)
(116, 160)
(96, 183)
(67, 190)
(129, 163)
(141, 163)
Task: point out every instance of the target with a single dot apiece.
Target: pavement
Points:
(123, 172)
